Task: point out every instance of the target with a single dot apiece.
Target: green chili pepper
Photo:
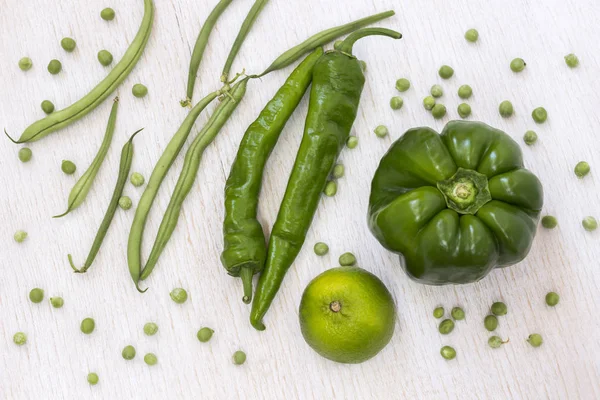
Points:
(139, 90)
(458, 313)
(179, 295)
(396, 102)
(205, 334)
(330, 189)
(472, 35)
(490, 322)
(438, 312)
(88, 325)
(20, 236)
(124, 167)
(549, 222)
(25, 64)
(429, 102)
(572, 60)
(239, 357)
(517, 65)
(530, 138)
(446, 72)
(535, 340)
(54, 67)
(36, 295)
(245, 250)
(84, 184)
(20, 338)
(465, 91)
(128, 352)
(506, 109)
(125, 202)
(436, 91)
(105, 57)
(137, 179)
(589, 224)
(352, 142)
(582, 169)
(338, 171)
(495, 341)
(68, 44)
(499, 308)
(47, 107)
(381, 131)
(552, 299)
(448, 352)
(25, 154)
(150, 359)
(402, 85)
(150, 328)
(347, 260)
(446, 326)
(464, 110)
(107, 14)
(334, 101)
(57, 302)
(539, 115)
(92, 378)
(62, 118)
(438, 111)
(321, 249)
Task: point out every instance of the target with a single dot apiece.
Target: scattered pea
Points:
(396, 103)
(150, 328)
(139, 90)
(36, 295)
(506, 109)
(539, 115)
(57, 302)
(68, 167)
(549, 222)
(517, 65)
(68, 44)
(321, 249)
(338, 171)
(495, 341)
(429, 102)
(446, 326)
(25, 64)
(465, 91)
(137, 179)
(330, 189)
(128, 352)
(352, 142)
(88, 325)
(108, 14)
(464, 110)
(490, 322)
(499, 308)
(47, 106)
(205, 334)
(150, 359)
(438, 312)
(20, 236)
(54, 67)
(552, 299)
(446, 72)
(589, 224)
(535, 339)
(20, 338)
(347, 260)
(92, 378)
(105, 57)
(530, 137)
(25, 154)
(582, 169)
(125, 202)
(438, 111)
(436, 91)
(179, 295)
(572, 60)
(448, 352)
(458, 313)
(239, 357)
(381, 131)
(472, 35)
(402, 84)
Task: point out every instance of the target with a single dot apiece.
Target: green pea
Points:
(549, 222)
(25, 154)
(150, 328)
(137, 179)
(539, 115)
(517, 65)
(20, 338)
(589, 224)
(88, 325)
(139, 90)
(490, 322)
(465, 91)
(535, 340)
(495, 341)
(338, 171)
(436, 91)
(446, 72)
(582, 169)
(448, 352)
(179, 295)
(36, 295)
(150, 359)
(68, 167)
(438, 111)
(57, 302)
(20, 236)
(396, 103)
(330, 189)
(347, 260)
(438, 312)
(381, 131)
(402, 84)
(552, 299)
(47, 106)
(25, 64)
(205, 334)
(108, 14)
(125, 202)
(499, 308)
(68, 44)
(92, 378)
(429, 102)
(105, 57)
(530, 137)
(239, 357)
(446, 326)
(572, 60)
(464, 110)
(321, 249)
(458, 313)
(128, 352)
(352, 142)
(506, 109)
(472, 35)
(54, 67)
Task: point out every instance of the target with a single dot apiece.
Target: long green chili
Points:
(124, 167)
(84, 184)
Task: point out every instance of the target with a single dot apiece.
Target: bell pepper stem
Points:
(348, 43)
(246, 274)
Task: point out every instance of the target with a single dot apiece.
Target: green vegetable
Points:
(552, 299)
(137, 179)
(239, 357)
(572, 60)
(438, 312)
(495, 341)
(36, 295)
(205, 334)
(125, 202)
(179, 295)
(464, 110)
(150, 359)
(490, 322)
(517, 65)
(25, 64)
(448, 352)
(338, 171)
(499, 308)
(549, 222)
(472, 35)
(436, 91)
(438, 111)
(25, 154)
(582, 169)
(330, 189)
(429, 102)
(108, 14)
(458, 313)
(396, 102)
(20, 338)
(363, 65)
(20, 236)
(88, 325)
(589, 224)
(54, 67)
(139, 90)
(321, 249)
(535, 340)
(68, 44)
(465, 91)
(150, 328)
(402, 84)
(446, 72)
(453, 209)
(68, 167)
(539, 115)
(446, 326)
(530, 138)
(506, 109)
(128, 352)
(347, 260)
(381, 131)
(92, 378)
(57, 302)
(47, 106)
(352, 142)
(105, 57)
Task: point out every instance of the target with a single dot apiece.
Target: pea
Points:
(402, 84)
(446, 72)
(381, 131)
(499, 308)
(128, 352)
(465, 91)
(125, 202)
(517, 65)
(472, 35)
(330, 189)
(68, 167)
(506, 109)
(20, 236)
(446, 326)
(68, 44)
(150, 359)
(150, 328)
(239, 357)
(436, 91)
(20, 338)
(535, 340)
(36, 295)
(396, 103)
(495, 341)
(179, 295)
(429, 102)
(137, 179)
(25, 154)
(47, 106)
(582, 169)
(25, 64)
(338, 171)
(438, 312)
(88, 325)
(352, 142)
(57, 302)
(490, 322)
(321, 249)
(92, 378)
(54, 67)
(552, 299)
(458, 313)
(549, 222)
(139, 90)
(530, 137)
(572, 60)
(347, 260)
(438, 111)
(448, 352)
(205, 334)
(539, 115)
(105, 58)
(589, 224)
(108, 14)
(464, 110)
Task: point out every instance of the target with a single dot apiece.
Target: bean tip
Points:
(10, 138)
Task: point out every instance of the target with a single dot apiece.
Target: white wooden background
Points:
(57, 357)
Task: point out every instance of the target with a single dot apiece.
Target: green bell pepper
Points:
(455, 205)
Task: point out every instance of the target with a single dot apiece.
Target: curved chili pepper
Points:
(338, 81)
(245, 249)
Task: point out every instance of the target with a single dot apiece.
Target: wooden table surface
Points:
(57, 357)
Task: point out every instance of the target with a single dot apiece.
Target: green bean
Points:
(84, 184)
(124, 167)
(62, 118)
(163, 165)
(200, 46)
(257, 7)
(321, 39)
(190, 170)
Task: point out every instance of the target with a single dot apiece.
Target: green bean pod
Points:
(338, 82)
(321, 39)
(124, 167)
(84, 184)
(77, 110)
(257, 7)
(189, 171)
(134, 243)
(200, 46)
(245, 249)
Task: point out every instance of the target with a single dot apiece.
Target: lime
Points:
(347, 315)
